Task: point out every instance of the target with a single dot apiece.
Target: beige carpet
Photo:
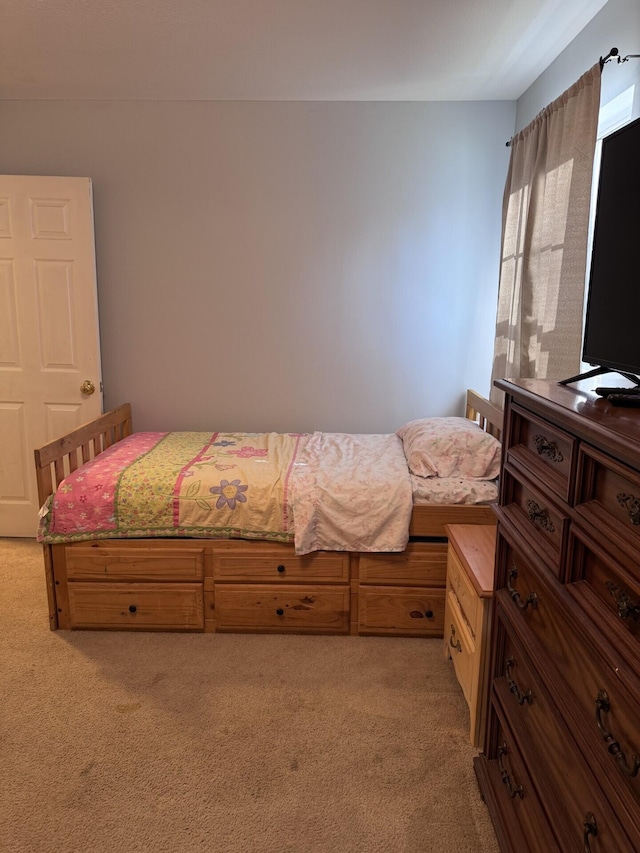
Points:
(120, 742)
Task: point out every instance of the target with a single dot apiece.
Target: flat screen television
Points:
(612, 326)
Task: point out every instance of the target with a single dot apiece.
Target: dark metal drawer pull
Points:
(590, 828)
(539, 516)
(513, 687)
(603, 706)
(531, 599)
(627, 609)
(514, 790)
(632, 506)
(547, 448)
(457, 645)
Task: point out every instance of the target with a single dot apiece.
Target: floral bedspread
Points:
(344, 492)
(189, 484)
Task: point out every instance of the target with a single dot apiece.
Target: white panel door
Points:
(49, 344)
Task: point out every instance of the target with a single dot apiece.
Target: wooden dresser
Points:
(560, 770)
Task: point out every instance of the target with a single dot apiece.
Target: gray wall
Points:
(616, 25)
(282, 265)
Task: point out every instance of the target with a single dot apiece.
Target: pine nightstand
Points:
(468, 611)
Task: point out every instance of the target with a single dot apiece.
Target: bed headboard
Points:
(487, 415)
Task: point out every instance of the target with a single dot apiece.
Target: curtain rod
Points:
(615, 52)
(603, 61)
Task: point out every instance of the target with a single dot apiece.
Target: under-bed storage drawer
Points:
(410, 611)
(420, 564)
(144, 562)
(137, 606)
(282, 609)
(269, 562)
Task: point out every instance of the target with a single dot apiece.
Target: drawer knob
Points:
(281, 568)
(514, 790)
(513, 687)
(603, 706)
(590, 828)
(531, 599)
(455, 644)
(428, 614)
(280, 611)
(132, 608)
(547, 448)
(539, 516)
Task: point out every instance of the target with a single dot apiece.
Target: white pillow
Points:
(450, 447)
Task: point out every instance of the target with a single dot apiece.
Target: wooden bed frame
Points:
(240, 585)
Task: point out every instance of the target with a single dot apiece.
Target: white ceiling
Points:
(341, 50)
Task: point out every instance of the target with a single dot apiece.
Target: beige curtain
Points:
(545, 220)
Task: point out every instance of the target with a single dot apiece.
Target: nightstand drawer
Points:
(461, 586)
(461, 647)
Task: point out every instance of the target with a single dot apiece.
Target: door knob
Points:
(87, 387)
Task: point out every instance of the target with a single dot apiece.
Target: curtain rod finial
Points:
(604, 59)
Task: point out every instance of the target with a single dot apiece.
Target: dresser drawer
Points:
(595, 682)
(614, 584)
(420, 564)
(137, 606)
(413, 612)
(117, 561)
(544, 451)
(519, 813)
(282, 609)
(462, 648)
(538, 730)
(608, 497)
(267, 562)
(541, 522)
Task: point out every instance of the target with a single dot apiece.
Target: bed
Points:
(339, 569)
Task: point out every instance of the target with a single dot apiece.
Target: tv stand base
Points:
(599, 371)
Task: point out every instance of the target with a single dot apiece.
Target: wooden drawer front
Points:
(461, 647)
(270, 563)
(542, 450)
(280, 609)
(137, 606)
(595, 683)
(515, 795)
(468, 600)
(414, 612)
(420, 564)
(617, 590)
(542, 523)
(567, 797)
(120, 562)
(608, 497)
